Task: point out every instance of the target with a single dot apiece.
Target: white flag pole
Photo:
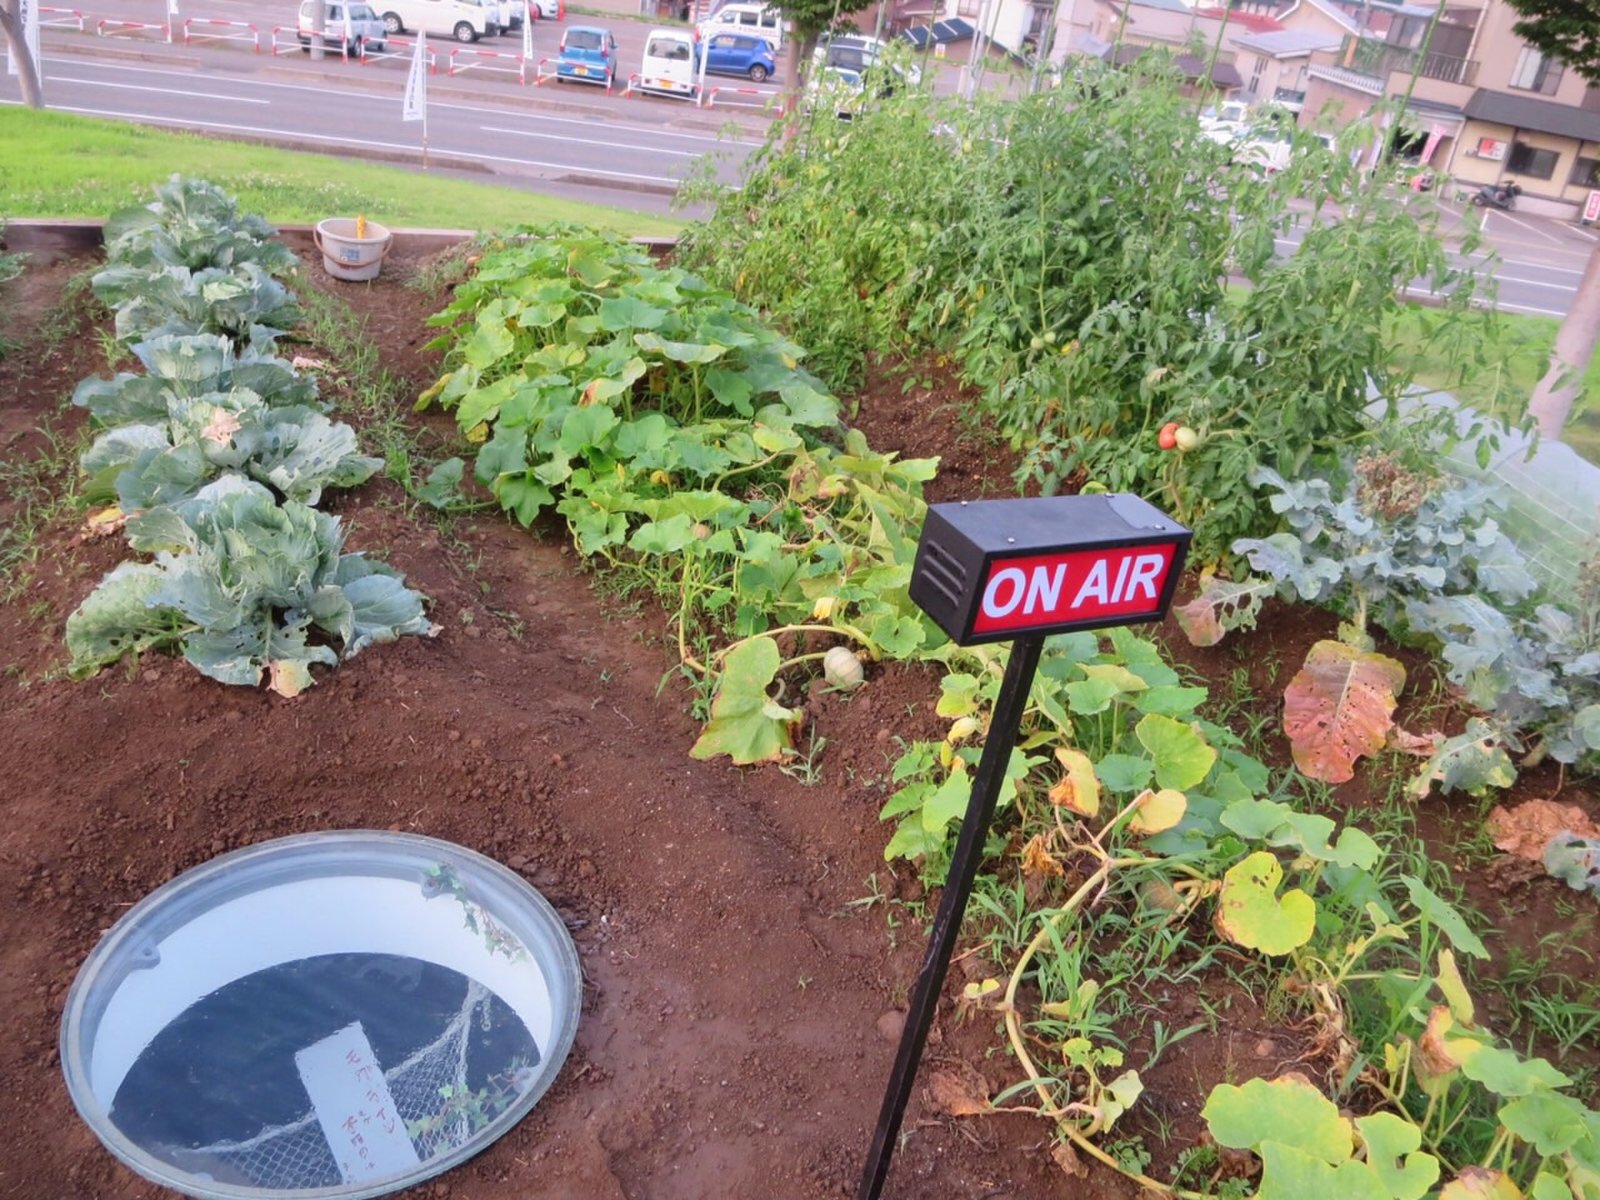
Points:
(529, 12)
(172, 15)
(349, 32)
(415, 104)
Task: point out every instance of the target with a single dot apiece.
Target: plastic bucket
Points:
(346, 256)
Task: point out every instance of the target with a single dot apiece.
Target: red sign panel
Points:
(1047, 590)
(1591, 208)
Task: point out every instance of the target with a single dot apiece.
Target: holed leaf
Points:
(1250, 912)
(1339, 707)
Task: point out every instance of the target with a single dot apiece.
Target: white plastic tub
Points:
(346, 256)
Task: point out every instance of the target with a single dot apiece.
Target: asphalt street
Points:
(631, 151)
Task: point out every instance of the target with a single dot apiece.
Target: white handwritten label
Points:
(354, 1106)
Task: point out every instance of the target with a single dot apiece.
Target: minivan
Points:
(759, 19)
(365, 27)
(670, 62)
(464, 20)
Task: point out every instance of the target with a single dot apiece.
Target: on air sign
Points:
(992, 570)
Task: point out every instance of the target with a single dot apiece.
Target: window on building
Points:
(1586, 173)
(1531, 161)
(1260, 64)
(1536, 73)
(968, 8)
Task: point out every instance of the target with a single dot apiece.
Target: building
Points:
(1487, 107)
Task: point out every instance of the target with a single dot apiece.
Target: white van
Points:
(670, 62)
(365, 27)
(759, 20)
(464, 20)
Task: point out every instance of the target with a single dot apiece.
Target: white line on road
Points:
(482, 110)
(588, 141)
(1544, 283)
(1549, 237)
(1500, 306)
(134, 87)
(569, 168)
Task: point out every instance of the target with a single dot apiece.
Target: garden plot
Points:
(746, 950)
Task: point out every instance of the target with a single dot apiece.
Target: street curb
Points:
(46, 236)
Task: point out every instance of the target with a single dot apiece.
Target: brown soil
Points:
(739, 1009)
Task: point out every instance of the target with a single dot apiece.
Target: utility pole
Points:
(319, 28)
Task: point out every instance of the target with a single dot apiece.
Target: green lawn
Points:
(60, 165)
(1495, 366)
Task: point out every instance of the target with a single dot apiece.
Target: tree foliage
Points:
(1564, 29)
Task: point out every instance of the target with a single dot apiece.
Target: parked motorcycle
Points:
(1497, 195)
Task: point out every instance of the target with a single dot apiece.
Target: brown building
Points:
(1487, 106)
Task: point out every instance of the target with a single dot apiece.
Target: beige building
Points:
(1487, 108)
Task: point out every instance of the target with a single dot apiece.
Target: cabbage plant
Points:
(245, 588)
(194, 224)
(295, 450)
(194, 365)
(244, 302)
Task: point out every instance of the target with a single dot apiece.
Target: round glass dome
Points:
(332, 1015)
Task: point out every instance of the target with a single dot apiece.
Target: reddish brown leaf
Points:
(1339, 707)
(951, 1094)
(1525, 830)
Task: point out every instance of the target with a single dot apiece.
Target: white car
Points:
(366, 28)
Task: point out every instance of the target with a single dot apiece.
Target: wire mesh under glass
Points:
(335, 1015)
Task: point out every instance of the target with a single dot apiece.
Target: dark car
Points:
(740, 54)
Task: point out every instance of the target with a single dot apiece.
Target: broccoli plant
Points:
(241, 585)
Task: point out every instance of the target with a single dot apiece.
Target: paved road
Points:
(631, 151)
(1536, 262)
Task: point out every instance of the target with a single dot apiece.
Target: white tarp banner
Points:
(28, 17)
(416, 99)
(527, 30)
(349, 33)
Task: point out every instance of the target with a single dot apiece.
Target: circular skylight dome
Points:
(333, 1015)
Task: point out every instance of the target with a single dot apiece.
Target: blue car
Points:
(740, 54)
(588, 54)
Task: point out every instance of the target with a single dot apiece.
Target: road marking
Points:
(1549, 237)
(1540, 266)
(134, 87)
(567, 168)
(1479, 302)
(599, 123)
(1593, 237)
(579, 141)
(1544, 283)
(481, 110)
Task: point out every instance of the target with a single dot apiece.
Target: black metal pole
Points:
(986, 782)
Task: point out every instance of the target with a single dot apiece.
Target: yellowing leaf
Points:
(1454, 988)
(822, 609)
(951, 1094)
(1250, 912)
(1078, 790)
(1480, 1183)
(1158, 811)
(746, 724)
(478, 433)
